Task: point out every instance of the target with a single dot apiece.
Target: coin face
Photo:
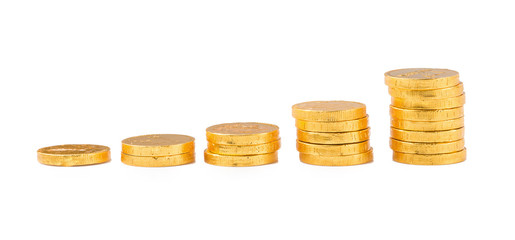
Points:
(329, 111)
(422, 73)
(329, 106)
(243, 128)
(72, 149)
(158, 140)
(422, 78)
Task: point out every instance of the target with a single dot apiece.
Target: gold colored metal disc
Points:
(224, 149)
(344, 126)
(329, 111)
(436, 136)
(426, 115)
(433, 159)
(348, 160)
(333, 137)
(333, 149)
(444, 103)
(74, 155)
(427, 148)
(449, 92)
(158, 161)
(422, 78)
(428, 126)
(240, 161)
(158, 145)
(245, 133)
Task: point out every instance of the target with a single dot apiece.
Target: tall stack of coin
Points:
(242, 144)
(332, 133)
(158, 150)
(427, 125)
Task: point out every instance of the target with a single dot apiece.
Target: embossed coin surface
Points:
(74, 155)
(242, 133)
(327, 111)
(158, 145)
(422, 78)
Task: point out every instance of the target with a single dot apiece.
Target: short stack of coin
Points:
(242, 144)
(332, 133)
(158, 150)
(427, 125)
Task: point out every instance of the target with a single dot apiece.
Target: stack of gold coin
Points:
(332, 133)
(158, 150)
(427, 126)
(242, 144)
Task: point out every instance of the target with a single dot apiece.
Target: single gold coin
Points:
(422, 78)
(428, 126)
(333, 149)
(443, 103)
(224, 149)
(449, 92)
(435, 136)
(426, 148)
(348, 160)
(158, 161)
(158, 145)
(344, 126)
(242, 133)
(432, 159)
(426, 115)
(329, 111)
(240, 161)
(333, 137)
(74, 155)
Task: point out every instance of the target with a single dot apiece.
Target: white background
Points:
(100, 71)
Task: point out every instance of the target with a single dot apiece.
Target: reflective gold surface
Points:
(333, 149)
(333, 137)
(74, 155)
(247, 133)
(158, 145)
(348, 160)
(264, 148)
(328, 111)
(433, 159)
(443, 103)
(158, 161)
(422, 78)
(427, 148)
(344, 126)
(428, 126)
(426, 115)
(240, 161)
(436, 136)
(453, 91)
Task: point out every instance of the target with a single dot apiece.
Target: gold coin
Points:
(329, 111)
(348, 160)
(428, 126)
(74, 155)
(422, 78)
(426, 115)
(333, 149)
(449, 92)
(240, 161)
(333, 137)
(432, 159)
(436, 136)
(158, 145)
(224, 149)
(426, 148)
(245, 133)
(344, 126)
(443, 103)
(158, 161)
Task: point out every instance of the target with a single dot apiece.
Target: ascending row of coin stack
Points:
(332, 133)
(427, 116)
(242, 144)
(158, 150)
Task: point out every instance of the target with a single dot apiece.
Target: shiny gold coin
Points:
(224, 149)
(245, 133)
(333, 149)
(329, 111)
(240, 161)
(344, 126)
(158, 145)
(348, 160)
(436, 136)
(426, 115)
(426, 148)
(158, 161)
(449, 92)
(422, 78)
(433, 159)
(428, 126)
(333, 137)
(443, 103)
(74, 155)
